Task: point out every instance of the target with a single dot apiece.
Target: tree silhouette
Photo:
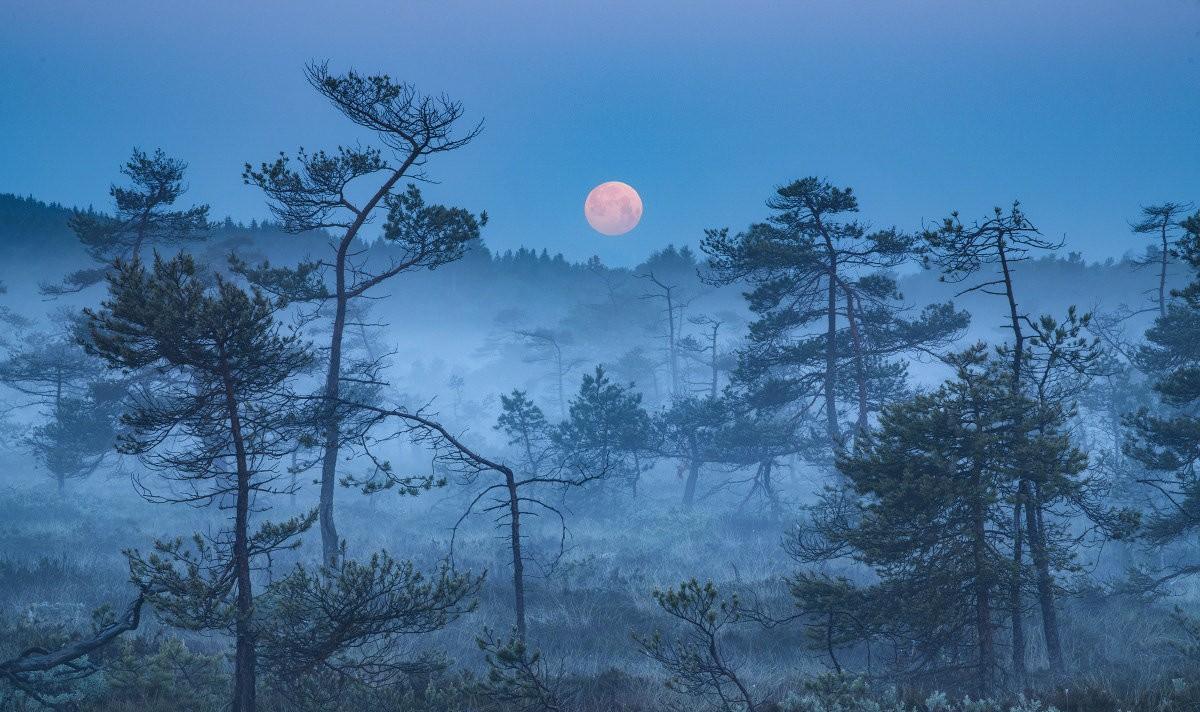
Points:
(314, 194)
(214, 418)
(143, 216)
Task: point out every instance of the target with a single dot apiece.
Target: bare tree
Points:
(705, 352)
(543, 458)
(547, 346)
(673, 307)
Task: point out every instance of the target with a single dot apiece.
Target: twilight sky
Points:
(1082, 109)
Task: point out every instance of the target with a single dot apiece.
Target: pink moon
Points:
(613, 208)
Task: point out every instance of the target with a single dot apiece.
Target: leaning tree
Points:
(317, 192)
(542, 457)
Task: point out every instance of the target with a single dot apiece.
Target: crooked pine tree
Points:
(312, 194)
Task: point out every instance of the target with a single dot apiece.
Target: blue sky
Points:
(1081, 109)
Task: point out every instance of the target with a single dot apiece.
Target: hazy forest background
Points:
(347, 457)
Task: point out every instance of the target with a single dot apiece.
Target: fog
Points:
(349, 457)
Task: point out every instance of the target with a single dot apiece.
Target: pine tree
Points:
(608, 419)
(758, 438)
(923, 507)
(1050, 362)
(80, 434)
(823, 298)
(144, 215)
(1168, 443)
(214, 416)
(321, 632)
(1061, 361)
(688, 431)
(79, 402)
(986, 253)
(549, 346)
(1161, 223)
(410, 128)
(696, 658)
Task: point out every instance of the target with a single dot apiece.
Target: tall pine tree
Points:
(1167, 442)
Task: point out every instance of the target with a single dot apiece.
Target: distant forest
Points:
(604, 315)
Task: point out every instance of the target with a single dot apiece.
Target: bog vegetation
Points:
(349, 459)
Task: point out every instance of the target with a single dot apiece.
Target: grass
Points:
(60, 558)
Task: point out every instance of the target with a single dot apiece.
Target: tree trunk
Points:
(671, 346)
(58, 395)
(860, 369)
(1018, 623)
(518, 562)
(1014, 317)
(330, 544)
(1162, 273)
(244, 675)
(637, 474)
(562, 400)
(712, 388)
(765, 470)
(983, 601)
(295, 477)
(689, 487)
(1014, 595)
(1045, 582)
(831, 421)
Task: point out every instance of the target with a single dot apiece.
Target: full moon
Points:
(613, 208)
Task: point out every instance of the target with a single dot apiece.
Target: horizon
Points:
(1134, 253)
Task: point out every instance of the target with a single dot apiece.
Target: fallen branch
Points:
(36, 659)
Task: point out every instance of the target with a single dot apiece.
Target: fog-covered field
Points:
(450, 345)
(879, 392)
